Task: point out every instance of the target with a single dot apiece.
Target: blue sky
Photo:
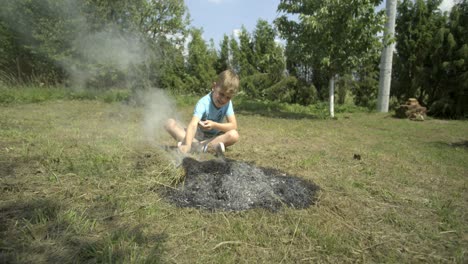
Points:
(219, 17)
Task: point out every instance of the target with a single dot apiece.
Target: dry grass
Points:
(78, 183)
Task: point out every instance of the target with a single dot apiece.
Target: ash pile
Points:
(235, 186)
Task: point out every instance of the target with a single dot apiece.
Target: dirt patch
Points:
(235, 186)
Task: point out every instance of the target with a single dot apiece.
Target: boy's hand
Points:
(207, 124)
(184, 148)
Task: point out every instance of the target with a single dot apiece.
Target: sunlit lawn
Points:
(78, 183)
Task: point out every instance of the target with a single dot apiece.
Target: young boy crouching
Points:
(207, 131)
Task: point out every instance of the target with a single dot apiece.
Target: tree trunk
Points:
(332, 96)
(387, 57)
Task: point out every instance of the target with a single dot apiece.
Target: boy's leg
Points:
(229, 138)
(174, 129)
(178, 132)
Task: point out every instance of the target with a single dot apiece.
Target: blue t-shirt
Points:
(206, 110)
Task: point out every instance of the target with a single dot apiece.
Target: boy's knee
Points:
(233, 135)
(170, 124)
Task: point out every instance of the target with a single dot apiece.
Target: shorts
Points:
(201, 135)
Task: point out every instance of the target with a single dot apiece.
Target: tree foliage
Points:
(199, 64)
(431, 58)
(98, 41)
(223, 61)
(329, 37)
(144, 43)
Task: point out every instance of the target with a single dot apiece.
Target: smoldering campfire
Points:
(230, 185)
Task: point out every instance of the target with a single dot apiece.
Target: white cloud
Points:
(236, 32)
(216, 1)
(446, 5)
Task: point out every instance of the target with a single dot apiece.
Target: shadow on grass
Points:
(460, 144)
(273, 110)
(46, 231)
(119, 246)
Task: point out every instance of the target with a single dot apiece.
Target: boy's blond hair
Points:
(228, 82)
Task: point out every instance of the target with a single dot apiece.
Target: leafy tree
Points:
(223, 60)
(234, 54)
(58, 40)
(212, 54)
(267, 64)
(35, 39)
(448, 94)
(417, 26)
(247, 57)
(199, 64)
(168, 19)
(333, 36)
(268, 54)
(172, 67)
(365, 84)
(457, 65)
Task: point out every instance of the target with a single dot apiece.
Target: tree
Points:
(334, 36)
(212, 54)
(457, 64)
(199, 64)
(266, 63)
(448, 94)
(223, 62)
(61, 39)
(246, 52)
(387, 57)
(416, 27)
(268, 54)
(234, 54)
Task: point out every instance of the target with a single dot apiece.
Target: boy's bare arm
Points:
(190, 134)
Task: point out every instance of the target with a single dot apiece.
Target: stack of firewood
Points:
(411, 110)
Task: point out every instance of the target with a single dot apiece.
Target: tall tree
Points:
(51, 38)
(417, 27)
(199, 63)
(268, 54)
(447, 94)
(212, 54)
(247, 56)
(387, 57)
(234, 54)
(457, 64)
(332, 35)
(223, 59)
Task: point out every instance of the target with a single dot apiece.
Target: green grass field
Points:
(78, 181)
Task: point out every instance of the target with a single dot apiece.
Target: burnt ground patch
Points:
(230, 185)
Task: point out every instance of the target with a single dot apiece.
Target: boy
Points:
(206, 131)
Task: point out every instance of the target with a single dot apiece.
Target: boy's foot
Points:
(196, 147)
(220, 149)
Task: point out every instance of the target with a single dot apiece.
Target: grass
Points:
(78, 181)
(36, 94)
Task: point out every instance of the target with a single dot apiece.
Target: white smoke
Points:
(90, 52)
(111, 48)
(159, 107)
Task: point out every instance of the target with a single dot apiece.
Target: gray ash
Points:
(234, 186)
